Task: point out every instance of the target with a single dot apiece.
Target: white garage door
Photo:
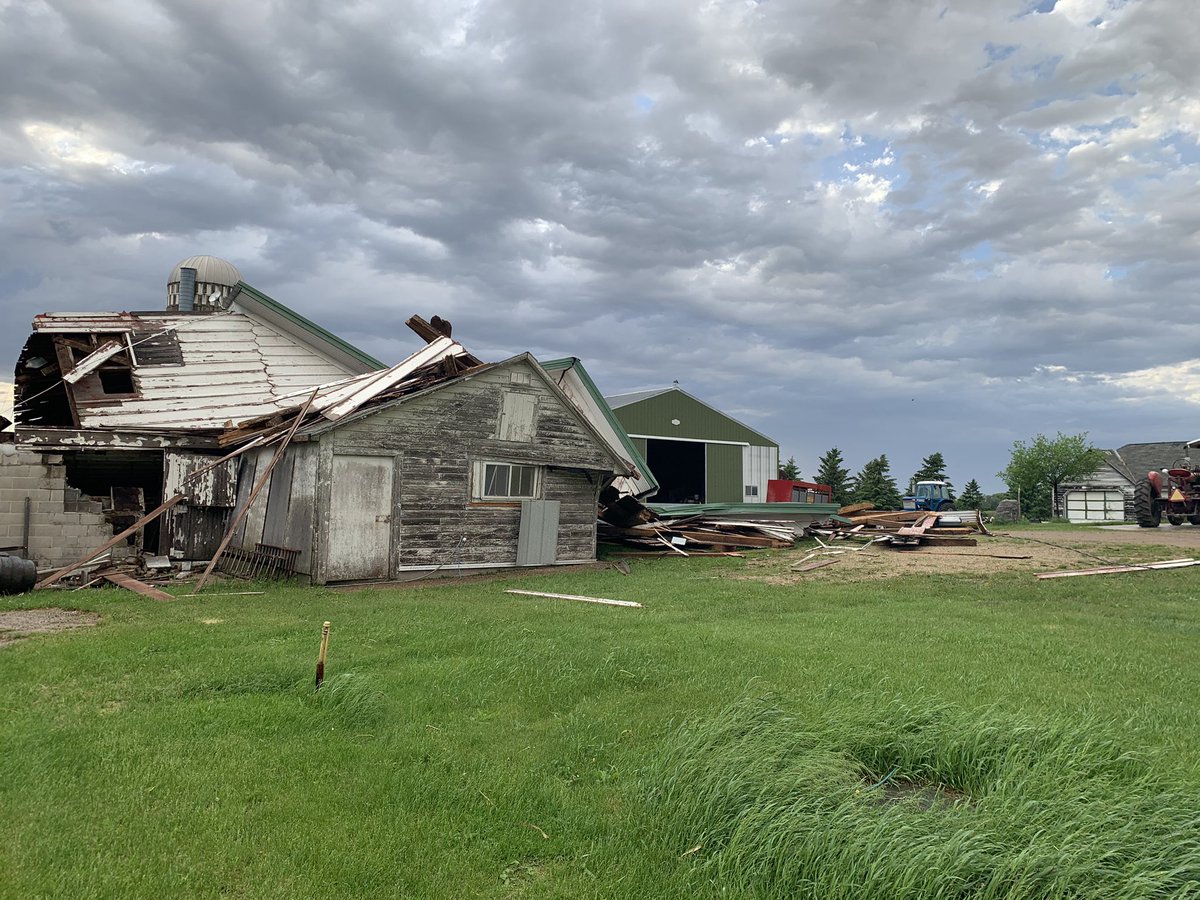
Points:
(1095, 506)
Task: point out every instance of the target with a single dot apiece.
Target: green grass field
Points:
(725, 741)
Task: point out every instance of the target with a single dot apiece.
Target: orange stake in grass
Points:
(321, 655)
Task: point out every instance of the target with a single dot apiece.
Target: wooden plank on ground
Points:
(603, 600)
(120, 579)
(1114, 570)
(819, 564)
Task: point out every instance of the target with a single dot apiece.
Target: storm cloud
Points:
(893, 226)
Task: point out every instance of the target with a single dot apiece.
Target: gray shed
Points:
(494, 467)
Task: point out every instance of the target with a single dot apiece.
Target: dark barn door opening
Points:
(679, 468)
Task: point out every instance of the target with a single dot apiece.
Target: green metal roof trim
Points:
(761, 510)
(573, 362)
(310, 326)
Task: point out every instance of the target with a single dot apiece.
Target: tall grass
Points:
(892, 799)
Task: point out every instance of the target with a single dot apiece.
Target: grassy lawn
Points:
(473, 743)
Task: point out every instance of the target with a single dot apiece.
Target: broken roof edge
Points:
(575, 364)
(621, 466)
(274, 312)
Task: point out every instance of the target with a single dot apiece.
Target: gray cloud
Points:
(849, 223)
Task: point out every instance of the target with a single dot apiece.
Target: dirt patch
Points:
(21, 623)
(1008, 553)
(1162, 536)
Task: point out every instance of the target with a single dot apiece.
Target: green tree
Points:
(1038, 468)
(972, 496)
(933, 468)
(789, 471)
(831, 470)
(875, 484)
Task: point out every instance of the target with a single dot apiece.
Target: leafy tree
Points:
(972, 497)
(789, 471)
(875, 484)
(1038, 468)
(933, 468)
(832, 471)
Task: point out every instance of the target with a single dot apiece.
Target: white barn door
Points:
(359, 539)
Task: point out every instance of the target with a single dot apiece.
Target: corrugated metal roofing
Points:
(234, 367)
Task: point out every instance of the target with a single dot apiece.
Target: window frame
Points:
(479, 485)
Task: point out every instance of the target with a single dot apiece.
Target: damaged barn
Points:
(344, 469)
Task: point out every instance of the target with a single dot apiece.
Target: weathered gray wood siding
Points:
(282, 514)
(436, 440)
(194, 528)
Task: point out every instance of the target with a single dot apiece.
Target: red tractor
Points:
(1173, 492)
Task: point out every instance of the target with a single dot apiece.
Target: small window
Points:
(505, 481)
(752, 490)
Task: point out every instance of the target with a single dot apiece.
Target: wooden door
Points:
(359, 540)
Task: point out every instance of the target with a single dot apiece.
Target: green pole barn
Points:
(697, 453)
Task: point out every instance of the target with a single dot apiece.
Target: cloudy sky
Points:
(890, 226)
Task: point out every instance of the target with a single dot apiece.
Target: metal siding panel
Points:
(723, 468)
(758, 467)
(537, 539)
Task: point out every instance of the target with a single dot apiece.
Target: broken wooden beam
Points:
(262, 481)
(120, 579)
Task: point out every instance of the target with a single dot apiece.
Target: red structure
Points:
(783, 491)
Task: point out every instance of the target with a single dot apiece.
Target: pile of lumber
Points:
(903, 529)
(625, 520)
(698, 535)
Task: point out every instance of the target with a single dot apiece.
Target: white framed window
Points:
(505, 481)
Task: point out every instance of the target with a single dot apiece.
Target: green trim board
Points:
(274, 309)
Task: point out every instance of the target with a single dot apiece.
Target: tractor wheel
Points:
(1174, 520)
(1195, 519)
(947, 507)
(1146, 507)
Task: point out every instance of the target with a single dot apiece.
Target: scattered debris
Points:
(603, 600)
(626, 521)
(901, 529)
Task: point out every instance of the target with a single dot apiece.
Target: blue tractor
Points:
(932, 496)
